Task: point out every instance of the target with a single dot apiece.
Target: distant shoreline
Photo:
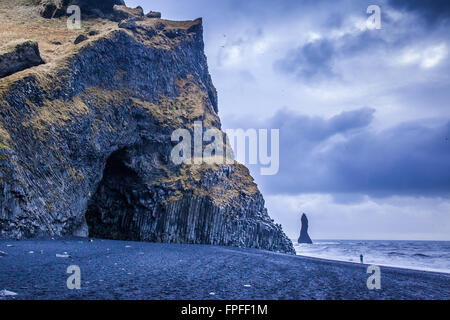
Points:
(380, 265)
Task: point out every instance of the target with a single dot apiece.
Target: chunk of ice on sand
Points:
(6, 293)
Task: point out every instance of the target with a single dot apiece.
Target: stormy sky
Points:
(364, 115)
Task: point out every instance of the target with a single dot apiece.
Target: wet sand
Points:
(135, 270)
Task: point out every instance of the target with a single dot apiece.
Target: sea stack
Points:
(304, 237)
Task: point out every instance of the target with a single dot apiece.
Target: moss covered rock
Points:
(19, 56)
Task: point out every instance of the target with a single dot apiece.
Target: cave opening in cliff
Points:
(113, 207)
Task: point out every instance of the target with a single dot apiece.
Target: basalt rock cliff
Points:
(85, 138)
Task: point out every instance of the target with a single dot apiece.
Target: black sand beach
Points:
(134, 270)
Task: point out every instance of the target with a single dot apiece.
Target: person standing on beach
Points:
(361, 257)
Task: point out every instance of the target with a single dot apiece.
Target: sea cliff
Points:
(85, 137)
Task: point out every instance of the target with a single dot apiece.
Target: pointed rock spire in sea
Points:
(304, 237)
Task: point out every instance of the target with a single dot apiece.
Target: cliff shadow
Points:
(115, 209)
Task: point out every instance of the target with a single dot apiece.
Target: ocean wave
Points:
(316, 243)
(400, 254)
(395, 253)
(319, 243)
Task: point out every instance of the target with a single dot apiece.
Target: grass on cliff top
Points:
(20, 19)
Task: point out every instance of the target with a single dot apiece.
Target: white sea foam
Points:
(7, 293)
(416, 255)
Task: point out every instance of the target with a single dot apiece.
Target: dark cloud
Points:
(316, 60)
(313, 60)
(316, 129)
(432, 11)
(408, 159)
(344, 155)
(324, 59)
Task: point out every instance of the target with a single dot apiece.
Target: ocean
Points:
(417, 255)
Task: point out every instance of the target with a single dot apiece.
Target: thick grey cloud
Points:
(323, 58)
(343, 154)
(312, 60)
(341, 40)
(317, 129)
(316, 60)
(433, 12)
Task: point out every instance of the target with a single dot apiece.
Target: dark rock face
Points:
(85, 147)
(80, 39)
(48, 8)
(154, 14)
(22, 56)
(123, 12)
(103, 5)
(124, 208)
(57, 8)
(304, 237)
